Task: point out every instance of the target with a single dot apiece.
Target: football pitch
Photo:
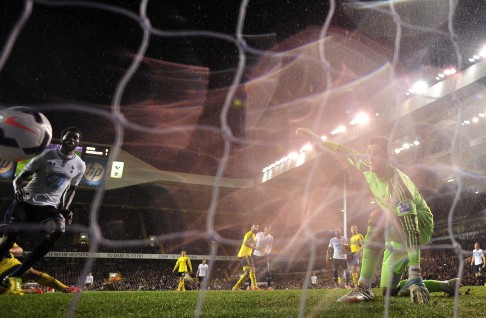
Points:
(277, 303)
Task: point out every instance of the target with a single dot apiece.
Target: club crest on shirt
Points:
(404, 207)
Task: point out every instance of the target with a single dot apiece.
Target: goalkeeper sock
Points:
(371, 256)
(241, 280)
(49, 281)
(436, 285)
(183, 286)
(253, 280)
(413, 272)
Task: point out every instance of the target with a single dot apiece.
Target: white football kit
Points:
(53, 174)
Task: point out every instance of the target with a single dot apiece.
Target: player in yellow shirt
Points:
(245, 255)
(355, 247)
(184, 265)
(9, 264)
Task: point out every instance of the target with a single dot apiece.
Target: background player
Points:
(45, 200)
(184, 267)
(263, 247)
(246, 259)
(88, 281)
(354, 259)
(337, 248)
(202, 269)
(479, 262)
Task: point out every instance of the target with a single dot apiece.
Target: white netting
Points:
(196, 104)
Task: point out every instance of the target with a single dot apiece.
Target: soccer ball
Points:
(24, 133)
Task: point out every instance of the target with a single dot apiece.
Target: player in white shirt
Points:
(88, 281)
(263, 247)
(479, 262)
(313, 280)
(338, 246)
(202, 269)
(45, 200)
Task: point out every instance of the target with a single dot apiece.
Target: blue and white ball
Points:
(24, 133)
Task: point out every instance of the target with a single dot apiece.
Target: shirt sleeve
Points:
(77, 179)
(353, 157)
(35, 164)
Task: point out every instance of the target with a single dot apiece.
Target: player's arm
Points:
(255, 242)
(18, 185)
(269, 247)
(329, 253)
(249, 242)
(66, 200)
(484, 261)
(197, 272)
(68, 196)
(351, 154)
(176, 265)
(189, 265)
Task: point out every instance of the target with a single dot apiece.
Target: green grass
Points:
(277, 303)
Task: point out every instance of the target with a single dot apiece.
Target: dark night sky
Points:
(72, 55)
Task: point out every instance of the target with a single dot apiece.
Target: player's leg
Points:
(253, 279)
(254, 285)
(268, 274)
(373, 247)
(44, 279)
(417, 226)
(345, 273)
(354, 267)
(246, 265)
(478, 274)
(14, 214)
(243, 277)
(54, 225)
(335, 272)
(395, 261)
(7, 265)
(183, 281)
(355, 274)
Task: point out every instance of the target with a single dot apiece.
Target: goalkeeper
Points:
(404, 221)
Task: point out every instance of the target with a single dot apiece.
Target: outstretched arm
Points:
(351, 154)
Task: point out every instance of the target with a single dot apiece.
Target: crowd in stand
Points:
(157, 275)
(134, 274)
